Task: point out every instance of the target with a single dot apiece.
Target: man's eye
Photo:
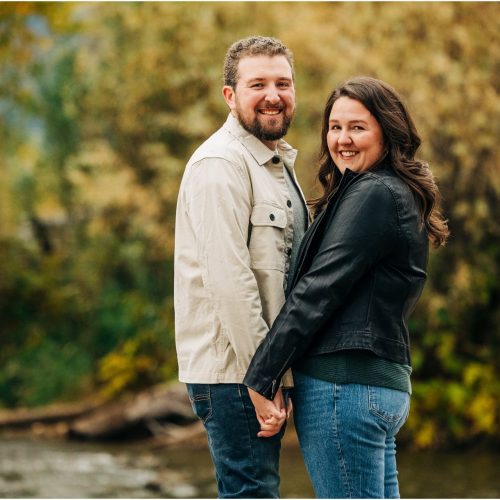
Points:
(284, 85)
(257, 86)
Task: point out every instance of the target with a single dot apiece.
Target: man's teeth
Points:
(269, 111)
(348, 153)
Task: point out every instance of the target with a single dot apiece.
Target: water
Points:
(61, 469)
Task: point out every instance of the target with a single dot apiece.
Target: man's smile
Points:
(269, 111)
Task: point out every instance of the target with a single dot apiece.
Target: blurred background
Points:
(101, 105)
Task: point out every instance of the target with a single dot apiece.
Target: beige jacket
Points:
(233, 238)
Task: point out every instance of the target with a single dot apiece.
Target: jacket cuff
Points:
(266, 388)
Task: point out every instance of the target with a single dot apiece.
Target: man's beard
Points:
(255, 128)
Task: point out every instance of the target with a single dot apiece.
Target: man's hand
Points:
(270, 414)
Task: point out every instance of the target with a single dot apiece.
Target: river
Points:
(63, 469)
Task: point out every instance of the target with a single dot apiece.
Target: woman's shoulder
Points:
(388, 181)
(379, 182)
(380, 190)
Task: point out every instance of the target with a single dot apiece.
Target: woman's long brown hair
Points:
(401, 143)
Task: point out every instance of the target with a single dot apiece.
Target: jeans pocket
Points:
(199, 396)
(390, 405)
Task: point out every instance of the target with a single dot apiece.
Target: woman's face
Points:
(355, 139)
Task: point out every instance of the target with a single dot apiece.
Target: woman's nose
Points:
(344, 137)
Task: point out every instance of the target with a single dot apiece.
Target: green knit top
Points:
(357, 367)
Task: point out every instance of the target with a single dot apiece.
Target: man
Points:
(240, 217)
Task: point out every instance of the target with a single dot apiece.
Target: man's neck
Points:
(272, 145)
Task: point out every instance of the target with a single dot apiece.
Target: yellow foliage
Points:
(126, 369)
(483, 411)
(458, 396)
(475, 372)
(426, 435)
(139, 92)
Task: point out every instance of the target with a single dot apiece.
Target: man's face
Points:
(264, 98)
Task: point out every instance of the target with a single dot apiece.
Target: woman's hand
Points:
(270, 414)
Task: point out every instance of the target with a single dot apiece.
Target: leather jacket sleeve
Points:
(360, 230)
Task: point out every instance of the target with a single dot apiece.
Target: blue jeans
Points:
(246, 466)
(347, 436)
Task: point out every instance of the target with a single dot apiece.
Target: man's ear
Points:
(229, 96)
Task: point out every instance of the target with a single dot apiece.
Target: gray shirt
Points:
(300, 221)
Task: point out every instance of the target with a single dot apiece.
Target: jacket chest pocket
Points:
(267, 237)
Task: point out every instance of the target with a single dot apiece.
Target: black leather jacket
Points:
(360, 271)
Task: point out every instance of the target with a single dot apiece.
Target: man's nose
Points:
(272, 95)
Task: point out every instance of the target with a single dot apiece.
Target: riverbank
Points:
(150, 445)
(159, 417)
(163, 412)
(58, 468)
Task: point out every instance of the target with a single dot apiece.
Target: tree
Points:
(103, 104)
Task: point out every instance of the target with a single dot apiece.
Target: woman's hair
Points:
(401, 142)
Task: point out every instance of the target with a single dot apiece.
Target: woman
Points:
(360, 271)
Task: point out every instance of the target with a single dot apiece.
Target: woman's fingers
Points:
(270, 414)
(268, 430)
(275, 419)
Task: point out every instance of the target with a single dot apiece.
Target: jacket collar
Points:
(381, 166)
(255, 147)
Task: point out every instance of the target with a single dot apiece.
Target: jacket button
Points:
(272, 217)
(276, 159)
(288, 203)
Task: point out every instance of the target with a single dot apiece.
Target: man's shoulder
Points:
(221, 144)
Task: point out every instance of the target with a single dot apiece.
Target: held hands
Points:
(270, 414)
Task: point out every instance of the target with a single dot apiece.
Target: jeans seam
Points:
(345, 473)
(209, 414)
(210, 411)
(401, 421)
(202, 397)
(249, 430)
(388, 418)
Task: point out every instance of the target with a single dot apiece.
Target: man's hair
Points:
(252, 46)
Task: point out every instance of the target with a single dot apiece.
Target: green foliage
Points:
(44, 370)
(100, 107)
(446, 411)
